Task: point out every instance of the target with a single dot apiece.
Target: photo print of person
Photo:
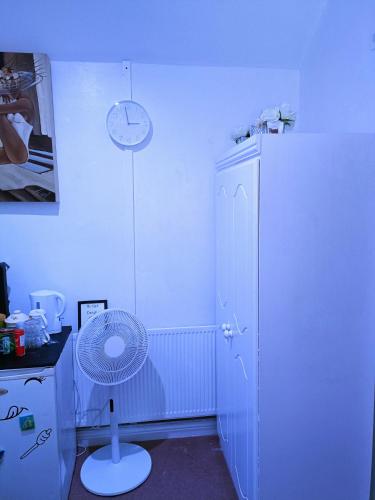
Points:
(28, 169)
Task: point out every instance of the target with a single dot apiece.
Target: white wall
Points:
(193, 111)
(84, 247)
(78, 246)
(338, 74)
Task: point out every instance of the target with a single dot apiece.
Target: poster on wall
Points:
(28, 169)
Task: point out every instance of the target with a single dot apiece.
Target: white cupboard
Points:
(295, 266)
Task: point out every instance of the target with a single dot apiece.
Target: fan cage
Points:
(105, 327)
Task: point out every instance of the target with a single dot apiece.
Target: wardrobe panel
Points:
(317, 320)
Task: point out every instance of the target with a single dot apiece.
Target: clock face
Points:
(128, 124)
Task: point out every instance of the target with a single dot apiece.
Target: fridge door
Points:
(28, 437)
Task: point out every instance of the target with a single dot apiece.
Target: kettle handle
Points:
(60, 297)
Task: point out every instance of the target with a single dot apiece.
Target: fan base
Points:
(101, 476)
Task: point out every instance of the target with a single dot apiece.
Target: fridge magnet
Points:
(27, 422)
(88, 308)
(36, 379)
(13, 412)
(40, 440)
(28, 170)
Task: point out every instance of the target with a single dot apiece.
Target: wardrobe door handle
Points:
(228, 334)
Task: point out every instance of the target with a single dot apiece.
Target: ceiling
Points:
(259, 33)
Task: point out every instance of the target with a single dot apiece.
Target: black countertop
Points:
(47, 355)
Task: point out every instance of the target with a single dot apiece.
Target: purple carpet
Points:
(191, 469)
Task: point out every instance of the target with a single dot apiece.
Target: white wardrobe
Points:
(295, 226)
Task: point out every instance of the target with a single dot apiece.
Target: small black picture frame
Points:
(87, 308)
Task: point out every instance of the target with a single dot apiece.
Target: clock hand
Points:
(127, 118)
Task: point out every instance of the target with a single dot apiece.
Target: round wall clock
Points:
(129, 125)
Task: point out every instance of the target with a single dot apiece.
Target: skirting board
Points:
(149, 431)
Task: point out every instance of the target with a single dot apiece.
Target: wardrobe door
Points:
(244, 324)
(223, 309)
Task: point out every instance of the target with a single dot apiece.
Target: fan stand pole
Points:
(115, 437)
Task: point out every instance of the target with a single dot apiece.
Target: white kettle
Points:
(54, 305)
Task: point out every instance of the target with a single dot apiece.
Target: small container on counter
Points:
(2, 320)
(16, 317)
(19, 339)
(6, 344)
(6, 340)
(34, 337)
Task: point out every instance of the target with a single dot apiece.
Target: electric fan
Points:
(111, 348)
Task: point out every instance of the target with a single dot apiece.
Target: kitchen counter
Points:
(45, 356)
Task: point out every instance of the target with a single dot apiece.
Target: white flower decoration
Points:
(241, 131)
(287, 113)
(270, 115)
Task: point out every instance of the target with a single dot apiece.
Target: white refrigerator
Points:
(37, 429)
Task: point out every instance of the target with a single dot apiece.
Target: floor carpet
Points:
(182, 469)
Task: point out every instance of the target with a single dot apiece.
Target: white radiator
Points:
(177, 381)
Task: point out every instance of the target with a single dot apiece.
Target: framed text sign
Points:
(88, 308)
